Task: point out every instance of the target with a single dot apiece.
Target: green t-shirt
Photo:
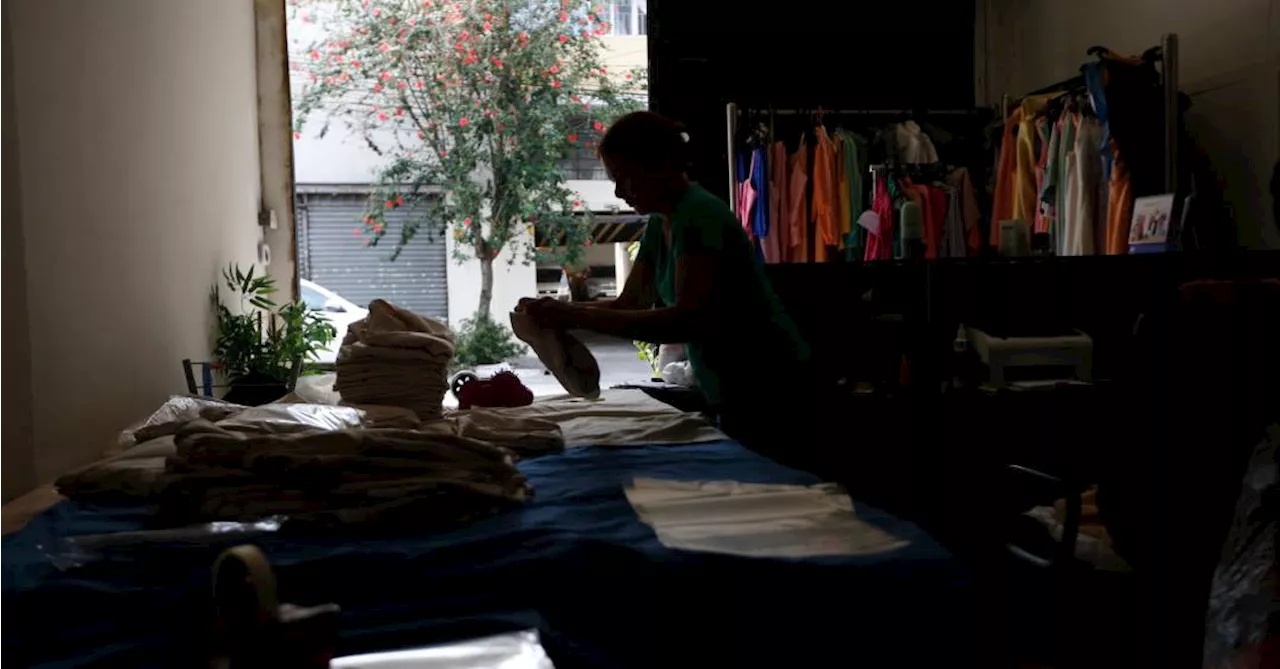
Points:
(756, 344)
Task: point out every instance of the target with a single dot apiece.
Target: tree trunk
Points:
(486, 283)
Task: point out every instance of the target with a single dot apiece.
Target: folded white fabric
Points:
(756, 519)
(395, 357)
(566, 357)
(619, 417)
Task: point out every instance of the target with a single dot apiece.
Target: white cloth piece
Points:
(1079, 237)
(565, 357)
(913, 146)
(516, 650)
(756, 519)
(394, 357)
(619, 417)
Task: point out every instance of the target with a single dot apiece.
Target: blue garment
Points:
(1098, 96)
(760, 182)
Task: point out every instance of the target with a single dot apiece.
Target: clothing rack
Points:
(1167, 55)
(733, 112)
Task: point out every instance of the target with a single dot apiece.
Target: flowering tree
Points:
(473, 104)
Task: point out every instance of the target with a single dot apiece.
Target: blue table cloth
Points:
(575, 564)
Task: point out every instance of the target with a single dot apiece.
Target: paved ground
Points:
(617, 359)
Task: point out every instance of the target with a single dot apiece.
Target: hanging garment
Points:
(937, 217)
(798, 213)
(1048, 201)
(880, 240)
(912, 227)
(953, 231)
(1006, 176)
(1024, 187)
(853, 236)
(775, 241)
(825, 207)
(760, 213)
(1119, 205)
(911, 145)
(1066, 144)
(1078, 237)
(969, 210)
(746, 194)
(1070, 214)
(1044, 151)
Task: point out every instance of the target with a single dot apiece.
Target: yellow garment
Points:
(1025, 194)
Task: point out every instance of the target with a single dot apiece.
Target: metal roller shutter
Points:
(331, 253)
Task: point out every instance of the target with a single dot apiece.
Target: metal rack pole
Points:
(731, 126)
(1172, 109)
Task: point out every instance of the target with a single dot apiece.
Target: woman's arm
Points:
(688, 320)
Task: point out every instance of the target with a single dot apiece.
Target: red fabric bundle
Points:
(504, 389)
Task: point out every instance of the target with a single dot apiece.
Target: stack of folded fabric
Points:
(395, 357)
(376, 477)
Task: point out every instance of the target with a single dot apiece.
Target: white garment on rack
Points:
(1079, 240)
(1068, 216)
(912, 145)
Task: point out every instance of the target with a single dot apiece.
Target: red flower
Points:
(554, 70)
(555, 84)
(400, 110)
(465, 35)
(587, 33)
(487, 26)
(628, 77)
(418, 84)
(385, 76)
(377, 87)
(563, 38)
(467, 221)
(591, 16)
(573, 138)
(412, 21)
(598, 125)
(426, 3)
(402, 84)
(587, 243)
(382, 116)
(392, 20)
(355, 64)
(422, 135)
(400, 200)
(463, 121)
(389, 204)
(297, 135)
(564, 16)
(586, 107)
(377, 227)
(497, 62)
(582, 22)
(577, 203)
(377, 12)
(384, 47)
(604, 71)
(315, 55)
(575, 98)
(444, 154)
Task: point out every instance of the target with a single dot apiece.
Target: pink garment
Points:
(880, 242)
(776, 173)
(747, 200)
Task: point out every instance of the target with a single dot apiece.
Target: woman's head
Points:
(645, 154)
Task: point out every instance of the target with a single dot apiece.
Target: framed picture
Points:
(1149, 227)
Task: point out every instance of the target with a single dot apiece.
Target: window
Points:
(628, 17)
(584, 163)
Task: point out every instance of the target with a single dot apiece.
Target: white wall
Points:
(19, 458)
(1230, 66)
(510, 283)
(140, 178)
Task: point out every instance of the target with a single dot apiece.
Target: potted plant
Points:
(262, 345)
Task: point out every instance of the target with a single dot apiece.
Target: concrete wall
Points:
(1230, 66)
(18, 456)
(139, 179)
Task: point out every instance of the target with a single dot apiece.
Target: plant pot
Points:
(255, 390)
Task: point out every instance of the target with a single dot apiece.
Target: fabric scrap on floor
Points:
(756, 519)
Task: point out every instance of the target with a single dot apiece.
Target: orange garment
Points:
(798, 211)
(1002, 200)
(844, 206)
(778, 208)
(825, 206)
(1119, 205)
(969, 211)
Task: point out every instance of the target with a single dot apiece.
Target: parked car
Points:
(339, 311)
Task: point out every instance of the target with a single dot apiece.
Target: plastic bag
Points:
(287, 418)
(177, 411)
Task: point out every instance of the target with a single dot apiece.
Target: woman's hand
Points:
(548, 312)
